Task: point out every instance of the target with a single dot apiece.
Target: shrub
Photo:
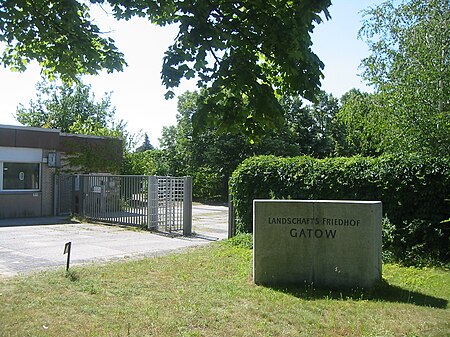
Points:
(150, 162)
(206, 184)
(414, 192)
(243, 240)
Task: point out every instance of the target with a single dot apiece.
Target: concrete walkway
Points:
(28, 245)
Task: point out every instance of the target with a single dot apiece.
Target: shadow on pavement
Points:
(38, 221)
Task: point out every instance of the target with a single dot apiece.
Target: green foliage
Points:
(409, 66)
(59, 35)
(413, 190)
(246, 53)
(388, 233)
(146, 145)
(99, 154)
(311, 129)
(207, 184)
(150, 162)
(67, 107)
(361, 123)
(72, 108)
(210, 156)
(243, 240)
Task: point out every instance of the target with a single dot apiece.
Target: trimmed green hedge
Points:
(415, 193)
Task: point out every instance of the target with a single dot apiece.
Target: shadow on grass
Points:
(383, 291)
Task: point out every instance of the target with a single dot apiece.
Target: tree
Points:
(176, 140)
(150, 162)
(146, 145)
(59, 35)
(204, 154)
(259, 50)
(308, 129)
(62, 106)
(211, 156)
(246, 53)
(363, 133)
(312, 128)
(409, 66)
(72, 108)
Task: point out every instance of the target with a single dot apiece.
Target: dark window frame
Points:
(27, 180)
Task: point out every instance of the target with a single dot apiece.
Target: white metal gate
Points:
(167, 202)
(158, 203)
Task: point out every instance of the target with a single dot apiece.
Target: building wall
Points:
(28, 203)
(20, 204)
(20, 144)
(47, 186)
(26, 137)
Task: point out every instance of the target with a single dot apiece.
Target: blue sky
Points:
(137, 93)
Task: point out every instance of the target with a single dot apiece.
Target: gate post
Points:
(231, 217)
(55, 195)
(187, 206)
(152, 203)
(84, 189)
(75, 205)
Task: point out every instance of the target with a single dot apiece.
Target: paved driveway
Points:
(26, 247)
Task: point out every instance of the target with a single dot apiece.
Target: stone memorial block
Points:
(327, 243)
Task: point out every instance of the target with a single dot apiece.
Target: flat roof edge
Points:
(21, 127)
(64, 134)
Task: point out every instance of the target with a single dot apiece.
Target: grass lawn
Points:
(208, 291)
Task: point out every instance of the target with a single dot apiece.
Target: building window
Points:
(20, 176)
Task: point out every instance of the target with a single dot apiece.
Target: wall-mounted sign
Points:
(96, 189)
(51, 159)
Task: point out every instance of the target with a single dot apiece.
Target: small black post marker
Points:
(67, 248)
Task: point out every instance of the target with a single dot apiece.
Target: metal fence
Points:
(63, 194)
(159, 203)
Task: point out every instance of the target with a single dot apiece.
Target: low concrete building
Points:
(31, 157)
